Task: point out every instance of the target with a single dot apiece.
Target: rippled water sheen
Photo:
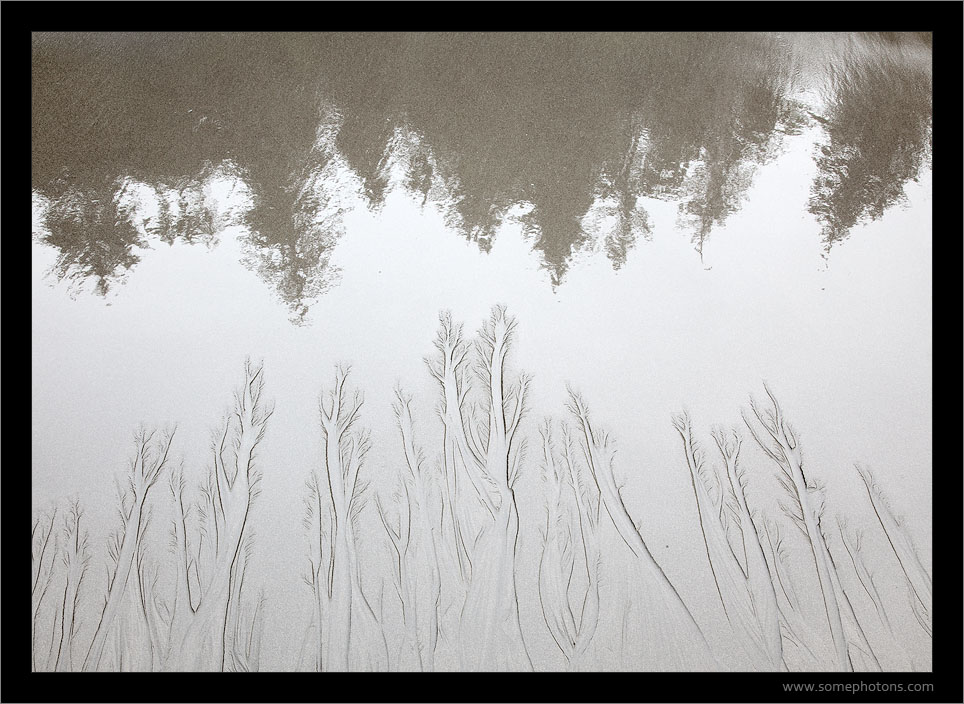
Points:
(670, 219)
(573, 136)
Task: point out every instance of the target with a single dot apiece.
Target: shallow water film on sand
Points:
(471, 352)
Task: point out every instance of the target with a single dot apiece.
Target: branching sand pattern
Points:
(451, 525)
